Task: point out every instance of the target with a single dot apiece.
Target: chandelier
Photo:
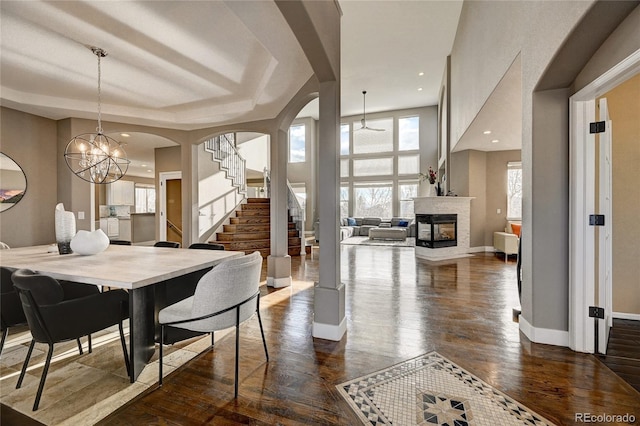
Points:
(96, 157)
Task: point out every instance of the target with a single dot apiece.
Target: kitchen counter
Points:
(143, 227)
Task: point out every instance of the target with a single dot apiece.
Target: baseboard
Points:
(544, 335)
(623, 315)
(482, 249)
(330, 331)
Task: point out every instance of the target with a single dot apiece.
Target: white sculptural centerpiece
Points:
(88, 243)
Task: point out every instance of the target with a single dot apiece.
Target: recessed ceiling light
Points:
(125, 135)
(487, 132)
(421, 74)
(150, 171)
(419, 89)
(143, 165)
(495, 141)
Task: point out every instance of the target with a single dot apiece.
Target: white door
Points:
(605, 282)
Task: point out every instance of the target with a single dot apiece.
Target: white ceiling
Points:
(194, 64)
(501, 115)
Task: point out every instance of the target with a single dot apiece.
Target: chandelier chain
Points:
(99, 129)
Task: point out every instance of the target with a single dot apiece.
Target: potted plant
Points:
(431, 176)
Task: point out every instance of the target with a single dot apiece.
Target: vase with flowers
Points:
(430, 176)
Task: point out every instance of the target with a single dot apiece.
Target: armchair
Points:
(52, 319)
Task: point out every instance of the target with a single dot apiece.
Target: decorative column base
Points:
(279, 271)
(329, 307)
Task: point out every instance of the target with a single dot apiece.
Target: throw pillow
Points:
(403, 223)
(351, 221)
(516, 229)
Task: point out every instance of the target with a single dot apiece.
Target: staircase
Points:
(250, 230)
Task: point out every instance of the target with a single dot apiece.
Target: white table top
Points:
(126, 267)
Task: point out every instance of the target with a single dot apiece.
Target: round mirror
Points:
(13, 182)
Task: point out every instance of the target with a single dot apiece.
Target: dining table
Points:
(153, 276)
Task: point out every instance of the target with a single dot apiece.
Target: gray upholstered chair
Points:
(226, 296)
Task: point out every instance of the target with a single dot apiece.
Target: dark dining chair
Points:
(11, 313)
(171, 244)
(52, 319)
(226, 296)
(120, 242)
(206, 246)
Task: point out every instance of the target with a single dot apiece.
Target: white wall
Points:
(217, 197)
(255, 152)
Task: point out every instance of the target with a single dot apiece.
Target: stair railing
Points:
(297, 213)
(174, 227)
(223, 151)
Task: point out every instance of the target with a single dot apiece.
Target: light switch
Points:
(80, 215)
(499, 211)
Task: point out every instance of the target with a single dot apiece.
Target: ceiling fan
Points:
(363, 122)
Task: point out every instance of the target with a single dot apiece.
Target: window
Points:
(297, 144)
(344, 168)
(373, 199)
(408, 164)
(373, 167)
(344, 201)
(369, 141)
(407, 190)
(145, 198)
(344, 139)
(408, 133)
(514, 190)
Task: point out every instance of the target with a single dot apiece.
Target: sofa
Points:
(360, 226)
(507, 242)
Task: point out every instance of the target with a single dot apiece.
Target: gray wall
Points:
(483, 175)
(490, 35)
(31, 141)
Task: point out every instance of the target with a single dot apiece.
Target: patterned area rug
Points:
(365, 241)
(431, 390)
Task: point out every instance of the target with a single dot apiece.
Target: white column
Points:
(329, 297)
(279, 261)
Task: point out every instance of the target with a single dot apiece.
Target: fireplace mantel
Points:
(446, 205)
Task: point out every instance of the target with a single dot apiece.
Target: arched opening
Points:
(129, 209)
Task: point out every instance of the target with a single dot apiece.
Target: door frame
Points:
(582, 154)
(163, 177)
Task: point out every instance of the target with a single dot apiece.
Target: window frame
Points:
(513, 165)
(304, 133)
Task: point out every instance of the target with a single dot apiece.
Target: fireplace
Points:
(437, 230)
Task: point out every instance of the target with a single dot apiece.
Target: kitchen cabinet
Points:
(110, 226)
(121, 193)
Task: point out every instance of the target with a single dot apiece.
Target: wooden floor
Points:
(623, 351)
(397, 308)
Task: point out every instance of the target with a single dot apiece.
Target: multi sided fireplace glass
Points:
(437, 230)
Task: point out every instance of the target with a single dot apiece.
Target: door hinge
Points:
(596, 127)
(596, 312)
(596, 220)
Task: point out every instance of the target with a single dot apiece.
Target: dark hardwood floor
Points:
(397, 308)
(623, 351)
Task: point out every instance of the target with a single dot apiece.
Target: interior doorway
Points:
(592, 247)
(170, 223)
